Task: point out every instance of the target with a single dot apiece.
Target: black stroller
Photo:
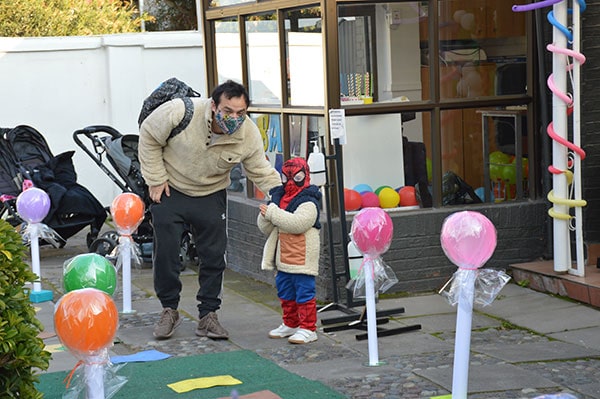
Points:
(25, 154)
(121, 151)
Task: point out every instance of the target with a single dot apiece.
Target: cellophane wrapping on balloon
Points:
(371, 231)
(383, 278)
(126, 245)
(112, 383)
(488, 283)
(41, 231)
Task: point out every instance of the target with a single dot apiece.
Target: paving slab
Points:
(536, 351)
(489, 378)
(586, 337)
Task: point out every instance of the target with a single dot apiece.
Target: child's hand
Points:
(263, 209)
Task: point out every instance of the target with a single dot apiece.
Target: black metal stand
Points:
(352, 319)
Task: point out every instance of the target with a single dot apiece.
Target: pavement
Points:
(524, 345)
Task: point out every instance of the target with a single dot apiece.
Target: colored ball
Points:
(127, 210)
(389, 198)
(33, 205)
(468, 239)
(408, 196)
(90, 271)
(372, 230)
(86, 321)
(499, 157)
(361, 188)
(369, 199)
(378, 190)
(352, 200)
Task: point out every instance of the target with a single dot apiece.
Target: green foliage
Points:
(21, 351)
(29, 18)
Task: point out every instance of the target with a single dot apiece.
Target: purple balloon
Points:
(33, 205)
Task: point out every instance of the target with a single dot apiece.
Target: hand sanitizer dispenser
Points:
(316, 163)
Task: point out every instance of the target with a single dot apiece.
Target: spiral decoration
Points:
(567, 98)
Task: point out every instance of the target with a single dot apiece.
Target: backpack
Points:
(166, 91)
(456, 191)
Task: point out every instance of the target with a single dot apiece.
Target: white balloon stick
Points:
(462, 342)
(94, 381)
(371, 313)
(126, 264)
(35, 256)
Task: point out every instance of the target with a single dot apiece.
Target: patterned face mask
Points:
(227, 123)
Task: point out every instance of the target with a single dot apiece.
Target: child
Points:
(291, 223)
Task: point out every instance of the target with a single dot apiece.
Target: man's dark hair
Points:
(230, 89)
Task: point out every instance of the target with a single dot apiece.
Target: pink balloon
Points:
(372, 231)
(33, 205)
(468, 239)
(369, 199)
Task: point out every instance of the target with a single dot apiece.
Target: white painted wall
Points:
(61, 84)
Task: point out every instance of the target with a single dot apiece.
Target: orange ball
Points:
(86, 321)
(408, 196)
(127, 210)
(352, 200)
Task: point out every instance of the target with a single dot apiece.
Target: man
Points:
(187, 177)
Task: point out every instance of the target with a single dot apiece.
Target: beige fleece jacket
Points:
(195, 163)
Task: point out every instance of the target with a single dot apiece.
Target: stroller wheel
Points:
(103, 246)
(111, 235)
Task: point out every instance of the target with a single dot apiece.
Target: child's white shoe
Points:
(282, 331)
(303, 336)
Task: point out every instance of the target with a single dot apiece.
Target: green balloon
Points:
(429, 169)
(509, 174)
(90, 271)
(499, 157)
(381, 188)
(495, 171)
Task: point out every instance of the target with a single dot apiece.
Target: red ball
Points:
(352, 200)
(370, 199)
(408, 196)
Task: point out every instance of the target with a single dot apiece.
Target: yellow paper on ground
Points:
(203, 382)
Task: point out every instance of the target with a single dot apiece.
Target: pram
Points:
(121, 151)
(26, 156)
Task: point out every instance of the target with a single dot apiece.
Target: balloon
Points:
(378, 190)
(362, 188)
(86, 321)
(127, 210)
(480, 191)
(495, 171)
(90, 271)
(369, 199)
(468, 239)
(372, 231)
(499, 157)
(352, 200)
(389, 198)
(524, 164)
(33, 205)
(408, 196)
(429, 168)
(509, 174)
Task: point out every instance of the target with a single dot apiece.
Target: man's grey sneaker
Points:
(282, 331)
(303, 336)
(169, 321)
(209, 326)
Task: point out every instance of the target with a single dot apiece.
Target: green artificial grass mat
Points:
(148, 380)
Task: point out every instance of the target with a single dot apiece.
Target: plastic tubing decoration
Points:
(566, 155)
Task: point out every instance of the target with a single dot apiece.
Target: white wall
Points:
(61, 84)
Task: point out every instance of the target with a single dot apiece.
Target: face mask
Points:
(229, 124)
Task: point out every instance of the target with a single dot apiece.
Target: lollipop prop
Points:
(468, 240)
(127, 210)
(86, 321)
(371, 233)
(33, 205)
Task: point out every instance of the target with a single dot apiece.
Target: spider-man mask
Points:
(295, 178)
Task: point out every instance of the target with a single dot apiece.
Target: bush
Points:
(22, 353)
(30, 18)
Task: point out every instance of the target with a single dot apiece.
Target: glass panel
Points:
(228, 49)
(221, 3)
(481, 43)
(305, 132)
(380, 52)
(304, 49)
(264, 72)
(269, 126)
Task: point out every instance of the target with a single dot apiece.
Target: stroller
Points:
(25, 155)
(106, 143)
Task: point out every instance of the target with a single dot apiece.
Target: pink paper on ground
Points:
(266, 394)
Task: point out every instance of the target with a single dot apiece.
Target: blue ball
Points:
(362, 188)
(481, 194)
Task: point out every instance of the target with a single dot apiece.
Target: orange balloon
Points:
(86, 321)
(127, 210)
(408, 196)
(352, 200)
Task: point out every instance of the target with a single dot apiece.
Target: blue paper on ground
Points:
(144, 356)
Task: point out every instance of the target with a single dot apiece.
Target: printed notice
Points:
(337, 125)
